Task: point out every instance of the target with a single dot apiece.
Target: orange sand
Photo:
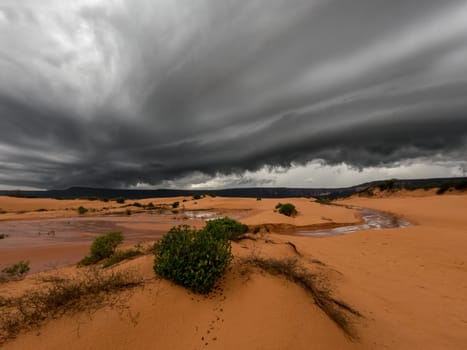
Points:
(409, 283)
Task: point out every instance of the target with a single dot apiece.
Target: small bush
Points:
(287, 209)
(15, 271)
(128, 212)
(120, 200)
(191, 258)
(226, 228)
(3, 235)
(175, 205)
(82, 210)
(137, 204)
(196, 197)
(258, 199)
(102, 248)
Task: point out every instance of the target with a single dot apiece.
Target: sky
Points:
(216, 94)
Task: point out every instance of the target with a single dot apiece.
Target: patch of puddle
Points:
(372, 220)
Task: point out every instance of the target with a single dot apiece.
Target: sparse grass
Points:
(15, 271)
(120, 256)
(92, 290)
(338, 311)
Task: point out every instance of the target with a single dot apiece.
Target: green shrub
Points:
(120, 200)
(17, 270)
(226, 228)
(82, 210)
(196, 197)
(287, 209)
(191, 258)
(102, 248)
(175, 205)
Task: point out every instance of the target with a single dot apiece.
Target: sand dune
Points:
(408, 283)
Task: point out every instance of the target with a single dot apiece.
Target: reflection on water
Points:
(372, 220)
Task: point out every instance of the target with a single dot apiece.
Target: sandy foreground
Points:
(410, 284)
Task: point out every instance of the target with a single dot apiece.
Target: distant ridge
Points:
(254, 192)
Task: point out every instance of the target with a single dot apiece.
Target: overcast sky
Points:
(209, 93)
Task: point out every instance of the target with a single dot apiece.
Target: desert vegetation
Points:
(337, 310)
(91, 290)
(82, 210)
(195, 259)
(287, 209)
(15, 271)
(226, 228)
(102, 248)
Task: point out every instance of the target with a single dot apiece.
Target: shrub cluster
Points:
(287, 209)
(196, 259)
(226, 228)
(82, 210)
(103, 247)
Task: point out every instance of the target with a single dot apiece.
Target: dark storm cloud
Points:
(109, 93)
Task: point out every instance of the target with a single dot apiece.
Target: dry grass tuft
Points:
(338, 311)
(90, 291)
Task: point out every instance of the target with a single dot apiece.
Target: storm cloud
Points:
(119, 93)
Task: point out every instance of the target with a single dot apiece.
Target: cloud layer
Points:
(116, 93)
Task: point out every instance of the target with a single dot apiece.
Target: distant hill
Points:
(254, 192)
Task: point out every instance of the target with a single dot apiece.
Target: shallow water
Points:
(372, 220)
(136, 227)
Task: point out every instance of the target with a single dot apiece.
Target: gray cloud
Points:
(108, 93)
